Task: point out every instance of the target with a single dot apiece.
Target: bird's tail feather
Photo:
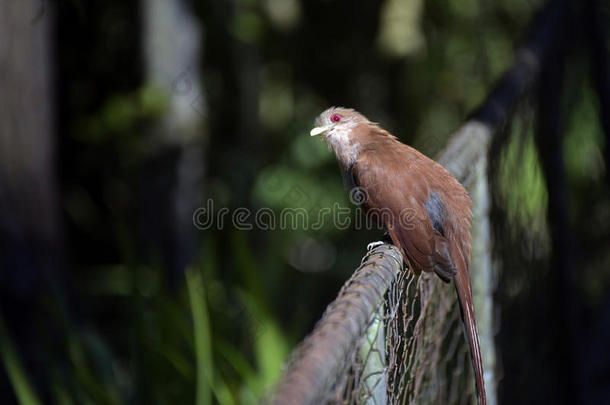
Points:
(464, 292)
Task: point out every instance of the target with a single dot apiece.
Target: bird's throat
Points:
(345, 148)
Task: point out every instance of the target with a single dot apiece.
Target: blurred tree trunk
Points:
(234, 64)
(172, 182)
(29, 231)
(561, 280)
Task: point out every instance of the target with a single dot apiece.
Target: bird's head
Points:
(342, 130)
(337, 121)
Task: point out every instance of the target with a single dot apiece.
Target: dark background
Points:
(111, 138)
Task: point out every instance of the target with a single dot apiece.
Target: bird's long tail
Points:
(464, 292)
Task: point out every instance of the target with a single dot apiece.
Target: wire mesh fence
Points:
(428, 357)
(409, 349)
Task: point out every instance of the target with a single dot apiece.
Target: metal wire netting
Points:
(411, 348)
(428, 356)
(423, 357)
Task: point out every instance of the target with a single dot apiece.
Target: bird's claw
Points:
(373, 245)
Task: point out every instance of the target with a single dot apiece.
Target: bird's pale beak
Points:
(319, 130)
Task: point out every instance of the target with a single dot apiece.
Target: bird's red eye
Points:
(335, 118)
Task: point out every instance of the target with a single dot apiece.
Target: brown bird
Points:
(425, 210)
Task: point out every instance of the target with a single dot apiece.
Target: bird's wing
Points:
(393, 183)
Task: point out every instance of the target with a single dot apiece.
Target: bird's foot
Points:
(384, 239)
(373, 245)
